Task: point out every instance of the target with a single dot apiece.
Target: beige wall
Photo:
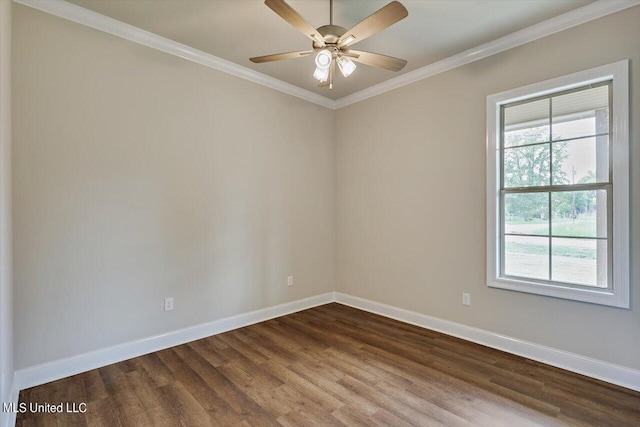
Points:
(6, 284)
(411, 196)
(138, 175)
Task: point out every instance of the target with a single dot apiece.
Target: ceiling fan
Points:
(333, 43)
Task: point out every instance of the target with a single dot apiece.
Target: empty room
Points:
(319, 213)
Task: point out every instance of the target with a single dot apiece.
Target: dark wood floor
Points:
(333, 365)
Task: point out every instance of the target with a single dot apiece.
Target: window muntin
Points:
(555, 188)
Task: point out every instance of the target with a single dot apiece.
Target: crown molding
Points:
(80, 15)
(559, 23)
(89, 18)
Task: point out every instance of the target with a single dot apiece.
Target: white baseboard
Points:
(58, 369)
(615, 374)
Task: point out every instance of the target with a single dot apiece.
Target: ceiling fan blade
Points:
(378, 21)
(377, 60)
(280, 56)
(287, 13)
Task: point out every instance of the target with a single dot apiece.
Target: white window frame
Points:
(618, 294)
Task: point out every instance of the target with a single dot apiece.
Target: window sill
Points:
(602, 297)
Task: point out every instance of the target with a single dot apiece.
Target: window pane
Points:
(526, 213)
(583, 113)
(526, 256)
(526, 166)
(579, 261)
(526, 123)
(579, 213)
(581, 161)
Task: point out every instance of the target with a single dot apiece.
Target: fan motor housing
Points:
(331, 34)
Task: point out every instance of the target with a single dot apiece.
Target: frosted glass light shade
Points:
(346, 65)
(321, 74)
(323, 59)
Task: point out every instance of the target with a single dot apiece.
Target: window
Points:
(558, 187)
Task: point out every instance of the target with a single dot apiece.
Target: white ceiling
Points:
(236, 30)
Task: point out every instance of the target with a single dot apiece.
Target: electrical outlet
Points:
(466, 299)
(168, 304)
(290, 281)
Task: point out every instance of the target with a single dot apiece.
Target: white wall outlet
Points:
(466, 299)
(290, 281)
(168, 304)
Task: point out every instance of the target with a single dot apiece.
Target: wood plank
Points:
(102, 413)
(185, 408)
(200, 390)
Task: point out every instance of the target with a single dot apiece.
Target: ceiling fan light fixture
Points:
(321, 74)
(323, 59)
(346, 65)
(332, 43)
